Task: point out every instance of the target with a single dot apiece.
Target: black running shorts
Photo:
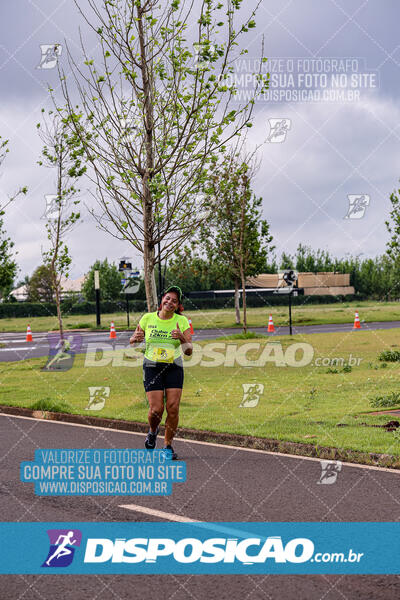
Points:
(162, 376)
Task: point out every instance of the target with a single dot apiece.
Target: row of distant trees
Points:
(378, 277)
(40, 287)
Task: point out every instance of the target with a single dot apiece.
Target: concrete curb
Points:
(230, 439)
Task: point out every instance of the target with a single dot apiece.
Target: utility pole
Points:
(290, 277)
(97, 291)
(127, 309)
(130, 282)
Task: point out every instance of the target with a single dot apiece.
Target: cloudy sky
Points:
(328, 127)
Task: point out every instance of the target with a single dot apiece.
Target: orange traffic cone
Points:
(191, 326)
(271, 327)
(356, 322)
(29, 337)
(113, 333)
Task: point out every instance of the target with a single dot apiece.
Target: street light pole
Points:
(97, 292)
(290, 278)
(127, 309)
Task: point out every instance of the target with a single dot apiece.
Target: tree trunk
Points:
(237, 302)
(149, 278)
(58, 304)
(243, 279)
(148, 249)
(242, 251)
(148, 209)
(53, 265)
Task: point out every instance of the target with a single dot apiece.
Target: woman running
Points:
(165, 332)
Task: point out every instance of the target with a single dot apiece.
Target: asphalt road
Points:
(223, 483)
(13, 346)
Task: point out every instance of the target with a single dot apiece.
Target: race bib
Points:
(163, 355)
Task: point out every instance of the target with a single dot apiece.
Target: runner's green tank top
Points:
(160, 346)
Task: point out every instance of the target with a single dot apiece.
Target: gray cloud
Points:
(331, 150)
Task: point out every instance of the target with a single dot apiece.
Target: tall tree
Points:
(393, 246)
(287, 261)
(309, 260)
(155, 113)
(110, 281)
(195, 272)
(40, 285)
(61, 211)
(236, 237)
(8, 265)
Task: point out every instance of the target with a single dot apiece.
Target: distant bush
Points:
(389, 356)
(69, 307)
(250, 335)
(391, 399)
(47, 404)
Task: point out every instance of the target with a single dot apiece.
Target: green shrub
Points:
(250, 335)
(50, 405)
(389, 355)
(391, 399)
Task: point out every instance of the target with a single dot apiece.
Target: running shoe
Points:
(151, 440)
(169, 453)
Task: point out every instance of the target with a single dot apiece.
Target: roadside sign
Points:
(124, 264)
(131, 282)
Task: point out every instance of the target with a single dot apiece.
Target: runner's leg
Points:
(172, 405)
(156, 408)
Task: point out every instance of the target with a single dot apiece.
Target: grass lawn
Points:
(303, 404)
(306, 314)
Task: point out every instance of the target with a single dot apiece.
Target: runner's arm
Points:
(138, 336)
(185, 338)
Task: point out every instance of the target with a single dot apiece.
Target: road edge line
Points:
(273, 447)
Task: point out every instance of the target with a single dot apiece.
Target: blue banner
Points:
(200, 548)
(102, 472)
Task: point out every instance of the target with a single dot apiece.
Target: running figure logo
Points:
(203, 54)
(63, 543)
(62, 351)
(97, 397)
(53, 206)
(50, 55)
(330, 470)
(278, 129)
(358, 204)
(251, 394)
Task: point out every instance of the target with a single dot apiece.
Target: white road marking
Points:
(213, 444)
(180, 519)
(27, 348)
(20, 340)
(158, 513)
